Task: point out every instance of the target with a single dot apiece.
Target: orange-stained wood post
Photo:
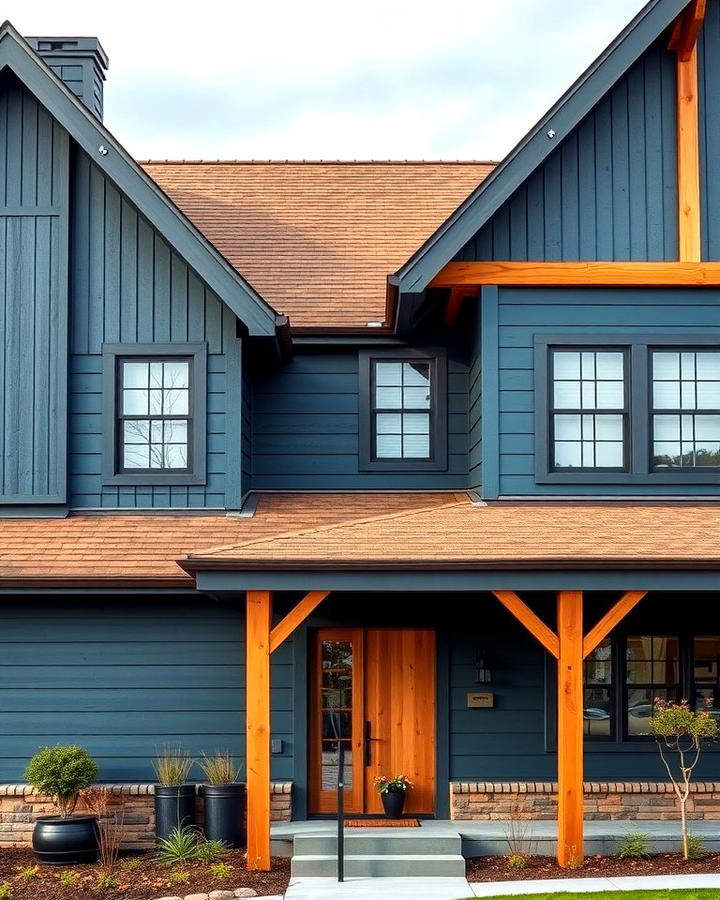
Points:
(570, 728)
(688, 157)
(257, 636)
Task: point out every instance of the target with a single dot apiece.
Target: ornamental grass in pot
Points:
(174, 797)
(224, 799)
(392, 793)
(61, 773)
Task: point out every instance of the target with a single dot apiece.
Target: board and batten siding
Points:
(306, 428)
(34, 212)
(609, 191)
(127, 678)
(129, 286)
(524, 313)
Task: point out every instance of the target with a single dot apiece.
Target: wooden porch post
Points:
(570, 728)
(259, 614)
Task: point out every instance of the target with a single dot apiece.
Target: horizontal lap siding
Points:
(523, 313)
(34, 214)
(306, 428)
(129, 287)
(609, 190)
(125, 679)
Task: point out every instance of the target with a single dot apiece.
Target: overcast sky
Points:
(312, 79)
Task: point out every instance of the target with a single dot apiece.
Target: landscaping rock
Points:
(222, 895)
(196, 897)
(245, 892)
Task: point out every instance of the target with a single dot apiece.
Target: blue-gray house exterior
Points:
(99, 264)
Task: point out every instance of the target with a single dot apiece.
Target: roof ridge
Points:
(320, 162)
(365, 520)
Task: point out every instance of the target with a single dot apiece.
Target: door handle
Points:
(368, 739)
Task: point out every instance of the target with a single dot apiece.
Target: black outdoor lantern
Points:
(483, 675)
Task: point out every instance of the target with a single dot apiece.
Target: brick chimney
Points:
(80, 62)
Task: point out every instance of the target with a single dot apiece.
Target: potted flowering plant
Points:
(392, 793)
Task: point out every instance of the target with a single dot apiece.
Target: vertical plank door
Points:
(400, 714)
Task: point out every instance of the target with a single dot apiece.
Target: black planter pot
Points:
(174, 808)
(393, 802)
(225, 813)
(60, 842)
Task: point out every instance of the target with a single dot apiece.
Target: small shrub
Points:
(30, 872)
(179, 877)
(220, 768)
(130, 864)
(61, 773)
(106, 881)
(180, 846)
(221, 870)
(68, 879)
(5, 891)
(172, 766)
(634, 845)
(209, 851)
(515, 861)
(696, 848)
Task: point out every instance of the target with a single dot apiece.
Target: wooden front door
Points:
(373, 690)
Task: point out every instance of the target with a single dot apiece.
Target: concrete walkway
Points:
(459, 888)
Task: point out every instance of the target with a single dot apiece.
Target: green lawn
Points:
(682, 894)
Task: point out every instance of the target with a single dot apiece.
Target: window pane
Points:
(416, 374)
(610, 395)
(156, 402)
(597, 721)
(568, 454)
(640, 710)
(416, 398)
(389, 423)
(708, 366)
(687, 395)
(175, 456)
(609, 455)
(176, 375)
(567, 395)
(610, 366)
(175, 431)
(666, 395)
(135, 403)
(667, 428)
(416, 423)
(707, 428)
(567, 428)
(666, 454)
(666, 366)
(135, 374)
(388, 373)
(706, 657)
(708, 395)
(588, 395)
(609, 428)
(416, 446)
(176, 402)
(389, 446)
(136, 432)
(566, 364)
(388, 398)
(136, 456)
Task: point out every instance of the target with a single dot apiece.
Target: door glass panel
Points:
(336, 702)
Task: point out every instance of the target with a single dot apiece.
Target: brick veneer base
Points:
(603, 800)
(20, 805)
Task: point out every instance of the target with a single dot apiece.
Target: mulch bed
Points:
(495, 868)
(139, 877)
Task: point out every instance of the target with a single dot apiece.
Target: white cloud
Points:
(318, 79)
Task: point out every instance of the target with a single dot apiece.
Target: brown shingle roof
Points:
(459, 534)
(143, 550)
(318, 240)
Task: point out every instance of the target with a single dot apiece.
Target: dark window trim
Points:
(638, 375)
(197, 353)
(438, 405)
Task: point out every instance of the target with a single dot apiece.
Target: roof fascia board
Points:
(138, 187)
(271, 579)
(536, 146)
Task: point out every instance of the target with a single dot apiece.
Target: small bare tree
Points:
(680, 731)
(99, 802)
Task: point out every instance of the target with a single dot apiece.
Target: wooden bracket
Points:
(532, 622)
(295, 617)
(455, 302)
(616, 614)
(686, 29)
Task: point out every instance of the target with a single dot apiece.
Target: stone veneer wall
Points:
(20, 805)
(603, 800)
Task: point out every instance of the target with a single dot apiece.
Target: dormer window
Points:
(403, 415)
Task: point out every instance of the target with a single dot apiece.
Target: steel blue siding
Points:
(523, 313)
(126, 678)
(129, 286)
(608, 192)
(305, 427)
(475, 412)
(34, 210)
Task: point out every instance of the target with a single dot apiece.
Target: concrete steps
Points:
(382, 853)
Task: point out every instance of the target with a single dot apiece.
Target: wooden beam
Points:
(570, 850)
(687, 29)
(598, 274)
(455, 302)
(257, 637)
(295, 617)
(533, 623)
(616, 614)
(688, 157)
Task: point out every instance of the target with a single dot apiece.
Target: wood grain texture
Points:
(612, 617)
(597, 274)
(688, 157)
(686, 30)
(295, 617)
(570, 851)
(259, 612)
(532, 622)
(400, 705)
